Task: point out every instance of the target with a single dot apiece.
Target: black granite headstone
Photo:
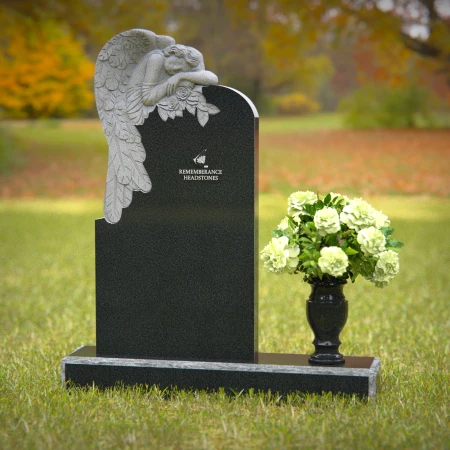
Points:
(176, 267)
(176, 277)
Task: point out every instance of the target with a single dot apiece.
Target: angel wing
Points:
(115, 65)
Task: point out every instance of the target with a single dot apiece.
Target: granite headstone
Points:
(176, 275)
(176, 253)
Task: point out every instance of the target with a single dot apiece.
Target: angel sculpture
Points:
(136, 72)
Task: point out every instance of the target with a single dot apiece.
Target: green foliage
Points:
(47, 309)
(295, 103)
(374, 106)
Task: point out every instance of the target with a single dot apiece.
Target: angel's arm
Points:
(154, 87)
(204, 77)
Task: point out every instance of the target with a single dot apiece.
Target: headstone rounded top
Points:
(250, 103)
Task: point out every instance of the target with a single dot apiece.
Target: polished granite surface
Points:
(176, 276)
(283, 373)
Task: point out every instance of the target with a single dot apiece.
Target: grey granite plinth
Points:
(283, 373)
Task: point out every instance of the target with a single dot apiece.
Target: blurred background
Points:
(365, 84)
(354, 97)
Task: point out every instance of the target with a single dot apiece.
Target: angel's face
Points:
(175, 64)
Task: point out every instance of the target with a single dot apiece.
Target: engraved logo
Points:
(200, 159)
(202, 172)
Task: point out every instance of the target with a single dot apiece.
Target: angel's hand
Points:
(172, 83)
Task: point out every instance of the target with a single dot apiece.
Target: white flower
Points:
(326, 221)
(358, 214)
(278, 255)
(294, 251)
(333, 261)
(274, 256)
(284, 224)
(381, 220)
(292, 261)
(372, 241)
(335, 195)
(286, 228)
(298, 200)
(387, 267)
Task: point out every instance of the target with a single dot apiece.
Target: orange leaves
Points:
(382, 59)
(376, 162)
(43, 69)
(55, 178)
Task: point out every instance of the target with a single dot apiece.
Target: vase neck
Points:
(326, 292)
(327, 282)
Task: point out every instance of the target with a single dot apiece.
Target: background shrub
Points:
(374, 106)
(297, 103)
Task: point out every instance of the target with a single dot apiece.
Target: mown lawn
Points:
(48, 309)
(51, 192)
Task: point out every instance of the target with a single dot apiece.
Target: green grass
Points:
(66, 138)
(10, 159)
(48, 309)
(82, 144)
(81, 138)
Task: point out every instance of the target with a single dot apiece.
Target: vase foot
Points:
(326, 359)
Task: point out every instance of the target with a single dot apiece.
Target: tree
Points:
(264, 48)
(420, 26)
(434, 17)
(267, 48)
(95, 22)
(43, 69)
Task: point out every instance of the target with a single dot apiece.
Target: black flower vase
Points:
(327, 311)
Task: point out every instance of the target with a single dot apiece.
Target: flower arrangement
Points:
(333, 237)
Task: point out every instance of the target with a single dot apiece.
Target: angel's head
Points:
(180, 58)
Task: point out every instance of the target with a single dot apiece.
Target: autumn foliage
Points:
(43, 69)
(362, 162)
(264, 48)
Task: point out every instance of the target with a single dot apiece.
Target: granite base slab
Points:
(283, 373)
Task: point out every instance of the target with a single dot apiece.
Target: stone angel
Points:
(136, 72)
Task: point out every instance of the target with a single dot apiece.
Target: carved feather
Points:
(141, 178)
(115, 65)
(114, 194)
(138, 152)
(127, 195)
